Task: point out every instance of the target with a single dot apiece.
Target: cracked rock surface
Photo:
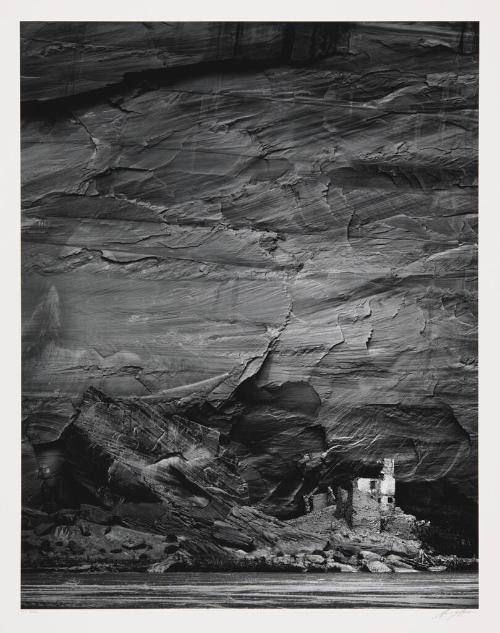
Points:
(249, 263)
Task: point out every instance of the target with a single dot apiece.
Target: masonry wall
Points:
(365, 511)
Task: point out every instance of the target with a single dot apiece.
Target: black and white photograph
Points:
(249, 314)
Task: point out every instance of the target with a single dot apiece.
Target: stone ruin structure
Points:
(383, 489)
(373, 501)
(367, 504)
(318, 500)
(373, 505)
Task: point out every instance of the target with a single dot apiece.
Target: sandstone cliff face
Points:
(249, 259)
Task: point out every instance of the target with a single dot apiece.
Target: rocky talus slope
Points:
(249, 270)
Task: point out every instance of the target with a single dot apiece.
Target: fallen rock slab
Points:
(230, 536)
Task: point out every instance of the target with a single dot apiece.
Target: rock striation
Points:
(249, 270)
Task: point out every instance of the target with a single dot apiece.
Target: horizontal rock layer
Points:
(249, 260)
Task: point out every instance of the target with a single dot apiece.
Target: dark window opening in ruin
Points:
(389, 499)
(379, 499)
(372, 485)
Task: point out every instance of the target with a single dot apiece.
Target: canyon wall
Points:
(249, 261)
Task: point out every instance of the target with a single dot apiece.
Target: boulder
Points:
(377, 567)
(177, 561)
(393, 559)
(399, 565)
(125, 538)
(339, 567)
(340, 558)
(315, 559)
(405, 548)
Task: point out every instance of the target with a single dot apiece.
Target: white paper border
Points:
(242, 621)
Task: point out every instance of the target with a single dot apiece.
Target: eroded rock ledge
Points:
(147, 537)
